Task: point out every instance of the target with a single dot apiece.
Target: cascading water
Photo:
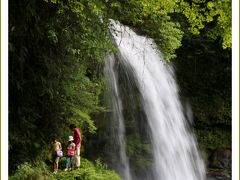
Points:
(112, 80)
(175, 152)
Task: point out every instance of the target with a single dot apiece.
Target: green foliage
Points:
(166, 34)
(214, 138)
(206, 83)
(200, 13)
(27, 171)
(203, 71)
(88, 170)
(222, 11)
(83, 120)
(55, 60)
(153, 18)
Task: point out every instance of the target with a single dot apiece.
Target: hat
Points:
(70, 138)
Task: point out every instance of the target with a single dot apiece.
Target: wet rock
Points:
(221, 158)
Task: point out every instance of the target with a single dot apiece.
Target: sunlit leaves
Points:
(199, 13)
(166, 34)
(82, 120)
(51, 1)
(158, 7)
(76, 6)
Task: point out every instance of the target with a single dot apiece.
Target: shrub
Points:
(88, 171)
(27, 171)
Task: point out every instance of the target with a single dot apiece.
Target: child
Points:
(56, 146)
(77, 140)
(70, 152)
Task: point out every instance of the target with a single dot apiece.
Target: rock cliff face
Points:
(220, 164)
(222, 158)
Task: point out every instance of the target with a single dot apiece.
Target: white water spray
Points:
(175, 152)
(112, 80)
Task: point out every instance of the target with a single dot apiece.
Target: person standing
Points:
(56, 146)
(77, 141)
(70, 153)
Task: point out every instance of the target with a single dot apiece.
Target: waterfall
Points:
(118, 125)
(174, 147)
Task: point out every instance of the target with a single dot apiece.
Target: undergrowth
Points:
(87, 171)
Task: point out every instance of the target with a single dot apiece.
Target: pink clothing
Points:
(77, 137)
(71, 149)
